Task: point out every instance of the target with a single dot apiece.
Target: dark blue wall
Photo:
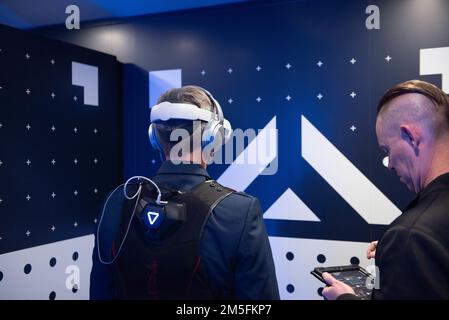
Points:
(271, 35)
(25, 63)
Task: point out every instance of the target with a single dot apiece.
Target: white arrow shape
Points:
(290, 207)
(351, 184)
(152, 217)
(241, 173)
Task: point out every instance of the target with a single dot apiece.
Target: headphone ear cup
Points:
(213, 133)
(153, 138)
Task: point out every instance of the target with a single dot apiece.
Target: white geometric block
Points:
(435, 61)
(161, 81)
(290, 207)
(43, 279)
(303, 254)
(86, 76)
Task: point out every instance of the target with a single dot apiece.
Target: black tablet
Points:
(355, 276)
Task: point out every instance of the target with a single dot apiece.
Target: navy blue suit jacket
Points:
(235, 250)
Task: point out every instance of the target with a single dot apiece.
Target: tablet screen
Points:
(357, 280)
(353, 275)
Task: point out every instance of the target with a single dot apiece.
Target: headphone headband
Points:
(165, 111)
(216, 123)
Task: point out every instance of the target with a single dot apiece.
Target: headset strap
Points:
(204, 198)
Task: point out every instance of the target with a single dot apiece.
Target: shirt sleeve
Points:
(255, 276)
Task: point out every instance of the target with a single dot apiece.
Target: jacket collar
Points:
(169, 167)
(440, 182)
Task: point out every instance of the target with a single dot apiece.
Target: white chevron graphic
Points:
(240, 174)
(356, 189)
(290, 207)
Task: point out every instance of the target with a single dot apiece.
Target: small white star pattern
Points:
(288, 66)
(352, 61)
(388, 58)
(319, 63)
(53, 195)
(319, 96)
(258, 68)
(258, 99)
(353, 128)
(353, 94)
(203, 73)
(230, 70)
(230, 101)
(288, 98)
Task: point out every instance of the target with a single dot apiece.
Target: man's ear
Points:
(411, 135)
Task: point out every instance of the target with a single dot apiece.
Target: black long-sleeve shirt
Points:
(413, 254)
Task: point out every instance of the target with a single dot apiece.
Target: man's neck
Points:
(189, 158)
(438, 164)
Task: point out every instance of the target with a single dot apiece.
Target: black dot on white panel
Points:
(355, 260)
(320, 291)
(75, 256)
(52, 295)
(321, 258)
(290, 288)
(27, 268)
(52, 262)
(290, 256)
(1, 276)
(75, 288)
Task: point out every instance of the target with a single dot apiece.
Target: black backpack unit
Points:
(159, 256)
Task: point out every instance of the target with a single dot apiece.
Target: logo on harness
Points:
(152, 217)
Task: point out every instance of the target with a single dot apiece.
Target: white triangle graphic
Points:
(290, 207)
(152, 217)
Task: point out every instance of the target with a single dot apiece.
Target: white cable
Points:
(137, 194)
(158, 199)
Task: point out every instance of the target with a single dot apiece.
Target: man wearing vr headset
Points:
(219, 249)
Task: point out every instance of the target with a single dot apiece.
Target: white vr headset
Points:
(216, 123)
